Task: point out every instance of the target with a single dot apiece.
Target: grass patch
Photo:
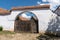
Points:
(6, 32)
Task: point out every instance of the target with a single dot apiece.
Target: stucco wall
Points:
(44, 16)
(6, 23)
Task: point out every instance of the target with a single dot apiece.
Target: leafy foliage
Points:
(1, 28)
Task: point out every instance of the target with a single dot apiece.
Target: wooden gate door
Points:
(26, 26)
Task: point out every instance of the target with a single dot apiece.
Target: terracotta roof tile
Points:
(4, 11)
(30, 7)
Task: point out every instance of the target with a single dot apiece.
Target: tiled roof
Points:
(30, 7)
(4, 11)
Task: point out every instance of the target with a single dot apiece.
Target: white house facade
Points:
(43, 14)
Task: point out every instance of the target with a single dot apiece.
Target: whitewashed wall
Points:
(44, 16)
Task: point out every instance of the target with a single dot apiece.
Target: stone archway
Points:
(25, 23)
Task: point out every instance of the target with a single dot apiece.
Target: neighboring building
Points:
(37, 23)
(4, 12)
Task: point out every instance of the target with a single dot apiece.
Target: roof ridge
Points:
(30, 7)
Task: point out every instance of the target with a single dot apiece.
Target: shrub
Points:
(1, 28)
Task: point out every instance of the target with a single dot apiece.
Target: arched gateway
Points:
(26, 22)
(27, 19)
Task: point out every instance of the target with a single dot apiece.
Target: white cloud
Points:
(38, 2)
(53, 4)
(25, 16)
(44, 0)
(54, 1)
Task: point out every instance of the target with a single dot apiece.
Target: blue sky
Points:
(8, 4)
